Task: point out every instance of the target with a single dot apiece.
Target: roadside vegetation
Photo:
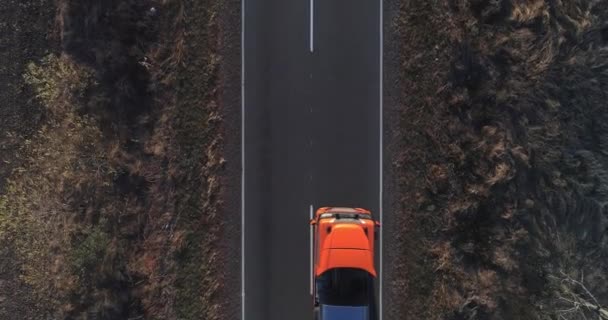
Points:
(503, 170)
(110, 197)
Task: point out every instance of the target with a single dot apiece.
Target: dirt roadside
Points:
(230, 50)
(497, 165)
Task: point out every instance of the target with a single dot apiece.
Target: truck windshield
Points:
(345, 287)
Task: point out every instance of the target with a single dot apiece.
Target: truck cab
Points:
(344, 269)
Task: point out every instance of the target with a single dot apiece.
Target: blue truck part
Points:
(329, 312)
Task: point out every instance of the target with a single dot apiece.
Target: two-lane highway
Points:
(311, 136)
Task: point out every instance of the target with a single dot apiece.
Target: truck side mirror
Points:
(312, 222)
(377, 226)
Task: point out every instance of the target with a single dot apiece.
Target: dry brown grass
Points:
(504, 99)
(64, 163)
(115, 212)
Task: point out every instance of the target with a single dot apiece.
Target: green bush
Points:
(91, 251)
(4, 218)
(57, 80)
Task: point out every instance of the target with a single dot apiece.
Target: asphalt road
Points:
(311, 137)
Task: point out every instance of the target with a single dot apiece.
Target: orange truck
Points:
(343, 258)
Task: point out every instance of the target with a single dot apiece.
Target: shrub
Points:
(57, 80)
(90, 252)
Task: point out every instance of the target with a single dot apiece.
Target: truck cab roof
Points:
(346, 246)
(344, 239)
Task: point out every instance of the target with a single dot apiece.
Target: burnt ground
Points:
(26, 25)
(496, 162)
(112, 139)
(20, 116)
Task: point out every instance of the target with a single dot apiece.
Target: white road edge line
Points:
(312, 14)
(311, 252)
(381, 44)
(242, 159)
